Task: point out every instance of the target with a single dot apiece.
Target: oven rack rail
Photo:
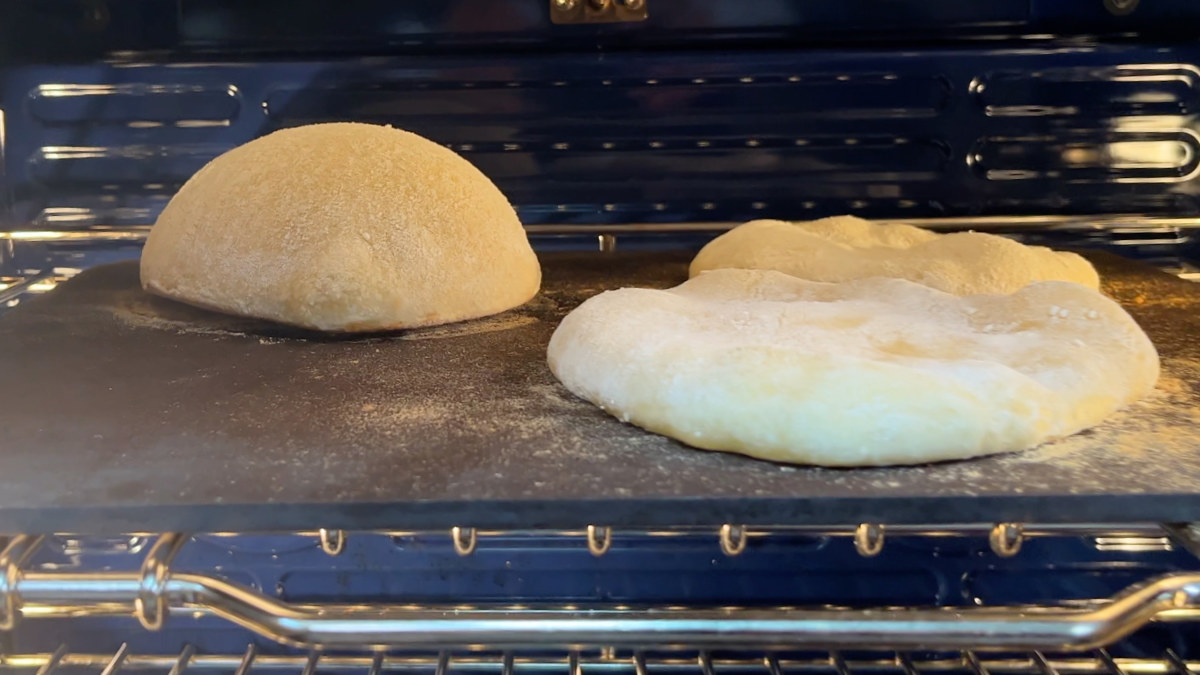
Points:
(67, 224)
(154, 592)
(577, 662)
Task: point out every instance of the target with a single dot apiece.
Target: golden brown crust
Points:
(342, 227)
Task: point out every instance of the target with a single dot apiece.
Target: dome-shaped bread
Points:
(342, 227)
(846, 248)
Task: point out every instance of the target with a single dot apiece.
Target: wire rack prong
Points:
(52, 662)
(310, 665)
(1176, 664)
(443, 663)
(839, 663)
(905, 660)
(185, 658)
(376, 664)
(247, 661)
(117, 660)
(639, 663)
(1043, 665)
(973, 662)
(1110, 665)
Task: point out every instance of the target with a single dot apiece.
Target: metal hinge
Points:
(597, 11)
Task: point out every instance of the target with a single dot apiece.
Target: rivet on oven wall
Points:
(151, 602)
(464, 540)
(733, 539)
(333, 542)
(1006, 539)
(599, 539)
(15, 555)
(868, 539)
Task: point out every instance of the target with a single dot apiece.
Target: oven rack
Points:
(156, 590)
(578, 662)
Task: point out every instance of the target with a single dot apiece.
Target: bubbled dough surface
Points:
(342, 227)
(844, 248)
(872, 372)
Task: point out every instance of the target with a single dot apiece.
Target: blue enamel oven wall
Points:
(648, 137)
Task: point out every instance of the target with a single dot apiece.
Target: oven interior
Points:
(1069, 123)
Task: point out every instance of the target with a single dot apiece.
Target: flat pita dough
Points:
(872, 372)
(342, 227)
(844, 248)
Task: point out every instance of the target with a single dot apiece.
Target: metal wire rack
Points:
(578, 663)
(154, 592)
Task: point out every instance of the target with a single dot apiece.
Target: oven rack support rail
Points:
(67, 226)
(1127, 231)
(156, 590)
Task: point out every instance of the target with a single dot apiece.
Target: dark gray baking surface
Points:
(121, 411)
